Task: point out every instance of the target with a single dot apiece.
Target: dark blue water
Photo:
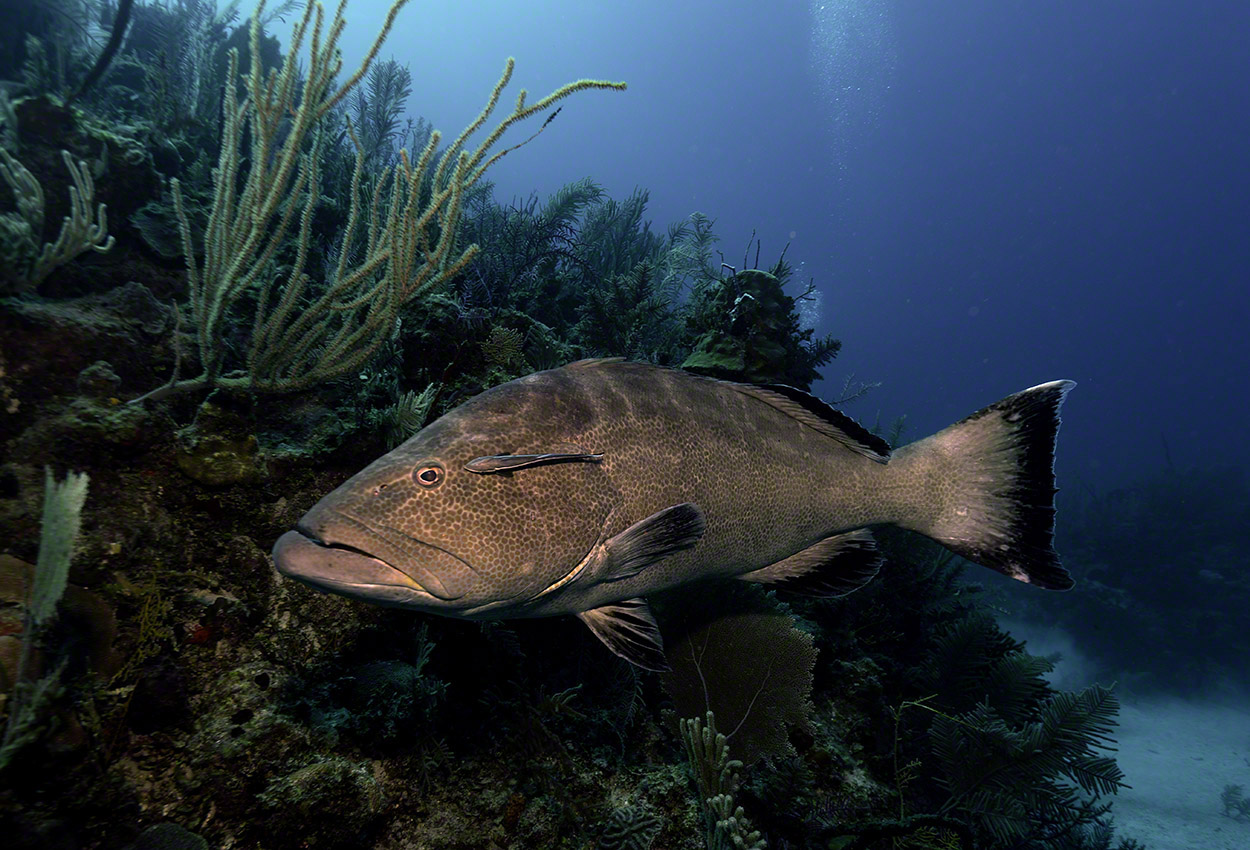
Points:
(988, 195)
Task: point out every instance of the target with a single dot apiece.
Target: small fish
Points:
(582, 490)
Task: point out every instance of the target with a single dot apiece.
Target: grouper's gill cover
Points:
(582, 490)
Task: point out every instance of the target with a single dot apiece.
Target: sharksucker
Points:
(582, 490)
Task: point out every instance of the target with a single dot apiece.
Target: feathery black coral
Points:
(1022, 782)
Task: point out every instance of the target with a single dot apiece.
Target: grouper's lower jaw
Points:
(349, 573)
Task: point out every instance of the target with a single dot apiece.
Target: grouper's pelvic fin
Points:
(984, 487)
(629, 629)
(834, 566)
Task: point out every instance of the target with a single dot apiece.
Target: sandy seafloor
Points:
(1178, 756)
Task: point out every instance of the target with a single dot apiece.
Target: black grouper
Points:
(583, 489)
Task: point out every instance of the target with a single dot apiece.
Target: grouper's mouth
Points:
(341, 569)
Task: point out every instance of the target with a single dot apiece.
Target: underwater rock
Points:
(219, 448)
(44, 345)
(86, 625)
(10, 653)
(751, 333)
(98, 380)
(46, 127)
(134, 303)
(168, 836)
(381, 704)
(236, 721)
(19, 250)
(42, 120)
(328, 801)
(91, 422)
(91, 430)
(751, 347)
(121, 166)
(159, 700)
(302, 429)
(157, 224)
(79, 640)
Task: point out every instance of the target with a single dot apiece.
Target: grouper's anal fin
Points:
(628, 629)
(832, 567)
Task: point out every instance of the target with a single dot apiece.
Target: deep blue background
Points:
(990, 194)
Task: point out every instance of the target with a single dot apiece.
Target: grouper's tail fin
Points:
(984, 487)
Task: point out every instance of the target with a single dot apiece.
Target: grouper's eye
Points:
(429, 476)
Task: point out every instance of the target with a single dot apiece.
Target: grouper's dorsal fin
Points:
(832, 567)
(628, 629)
(591, 362)
(817, 414)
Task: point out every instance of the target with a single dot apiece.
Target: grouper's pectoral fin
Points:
(833, 567)
(628, 629)
(649, 540)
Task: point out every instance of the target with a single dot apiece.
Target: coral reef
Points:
(750, 332)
